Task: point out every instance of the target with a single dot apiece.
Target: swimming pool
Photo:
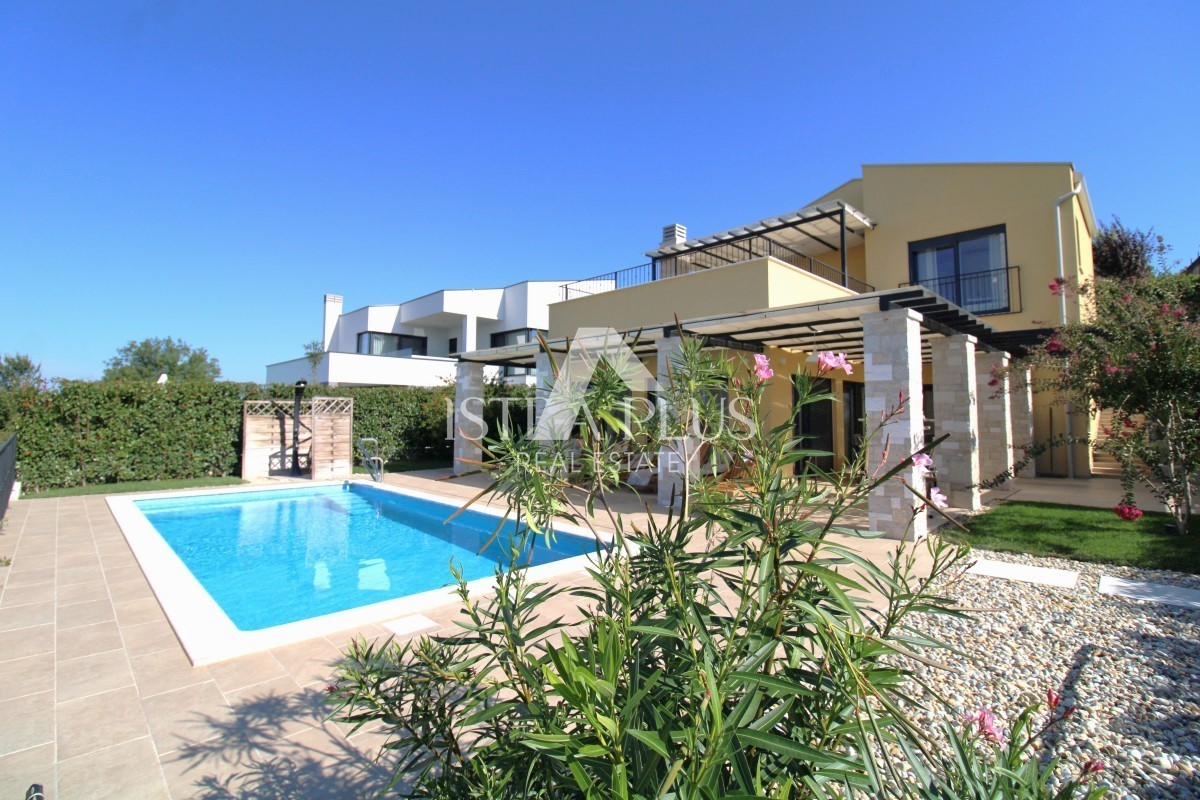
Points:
(242, 570)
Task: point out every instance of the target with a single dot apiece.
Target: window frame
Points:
(953, 240)
(496, 340)
(358, 340)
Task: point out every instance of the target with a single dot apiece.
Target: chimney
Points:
(673, 234)
(333, 310)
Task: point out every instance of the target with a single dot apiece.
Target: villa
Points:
(930, 277)
(415, 343)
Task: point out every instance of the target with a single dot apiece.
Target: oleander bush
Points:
(80, 433)
(726, 652)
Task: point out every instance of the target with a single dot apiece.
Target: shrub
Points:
(80, 433)
(726, 652)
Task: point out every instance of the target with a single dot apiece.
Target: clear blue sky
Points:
(208, 170)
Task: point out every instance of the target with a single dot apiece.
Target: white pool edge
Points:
(205, 630)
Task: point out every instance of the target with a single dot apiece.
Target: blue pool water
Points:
(272, 557)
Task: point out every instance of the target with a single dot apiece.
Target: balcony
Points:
(828, 229)
(994, 291)
(717, 255)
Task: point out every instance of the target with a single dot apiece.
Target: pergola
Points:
(893, 334)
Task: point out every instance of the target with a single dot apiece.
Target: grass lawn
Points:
(133, 486)
(410, 464)
(1084, 534)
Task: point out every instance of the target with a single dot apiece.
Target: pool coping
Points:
(206, 631)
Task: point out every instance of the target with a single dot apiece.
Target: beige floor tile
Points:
(138, 612)
(88, 640)
(29, 675)
(19, 771)
(79, 575)
(188, 716)
(310, 662)
(214, 770)
(123, 573)
(278, 708)
(24, 595)
(13, 617)
(77, 559)
(102, 672)
(26, 642)
(86, 613)
(369, 632)
(149, 637)
(128, 770)
(82, 592)
(127, 591)
(28, 721)
(26, 564)
(165, 671)
(246, 671)
(29, 577)
(99, 721)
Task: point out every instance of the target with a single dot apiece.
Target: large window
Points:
(397, 345)
(517, 336)
(969, 269)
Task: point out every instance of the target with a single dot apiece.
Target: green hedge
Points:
(85, 433)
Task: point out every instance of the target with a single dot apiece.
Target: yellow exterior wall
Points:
(910, 203)
(749, 286)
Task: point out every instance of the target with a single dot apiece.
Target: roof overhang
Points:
(811, 231)
(828, 325)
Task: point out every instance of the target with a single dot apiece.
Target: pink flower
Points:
(1055, 346)
(1127, 511)
(1053, 698)
(937, 498)
(827, 362)
(1057, 286)
(1111, 370)
(762, 367)
(1090, 769)
(985, 723)
(922, 460)
(994, 382)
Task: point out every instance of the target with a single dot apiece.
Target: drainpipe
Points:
(1062, 303)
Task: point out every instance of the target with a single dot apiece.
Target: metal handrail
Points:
(371, 458)
(716, 255)
(993, 291)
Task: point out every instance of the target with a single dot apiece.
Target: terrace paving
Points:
(100, 699)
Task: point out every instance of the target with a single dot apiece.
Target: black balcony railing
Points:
(630, 276)
(722, 253)
(716, 255)
(995, 291)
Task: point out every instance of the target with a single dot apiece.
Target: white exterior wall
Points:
(439, 317)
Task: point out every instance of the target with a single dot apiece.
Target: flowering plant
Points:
(1137, 354)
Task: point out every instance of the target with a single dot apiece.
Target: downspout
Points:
(1062, 302)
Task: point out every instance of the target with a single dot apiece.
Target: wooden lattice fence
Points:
(326, 438)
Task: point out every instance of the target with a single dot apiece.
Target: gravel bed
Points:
(1131, 668)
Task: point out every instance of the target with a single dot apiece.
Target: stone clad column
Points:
(995, 420)
(543, 380)
(468, 414)
(956, 412)
(892, 366)
(1020, 392)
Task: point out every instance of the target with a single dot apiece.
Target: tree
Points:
(1124, 253)
(149, 358)
(17, 371)
(1139, 357)
(314, 353)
